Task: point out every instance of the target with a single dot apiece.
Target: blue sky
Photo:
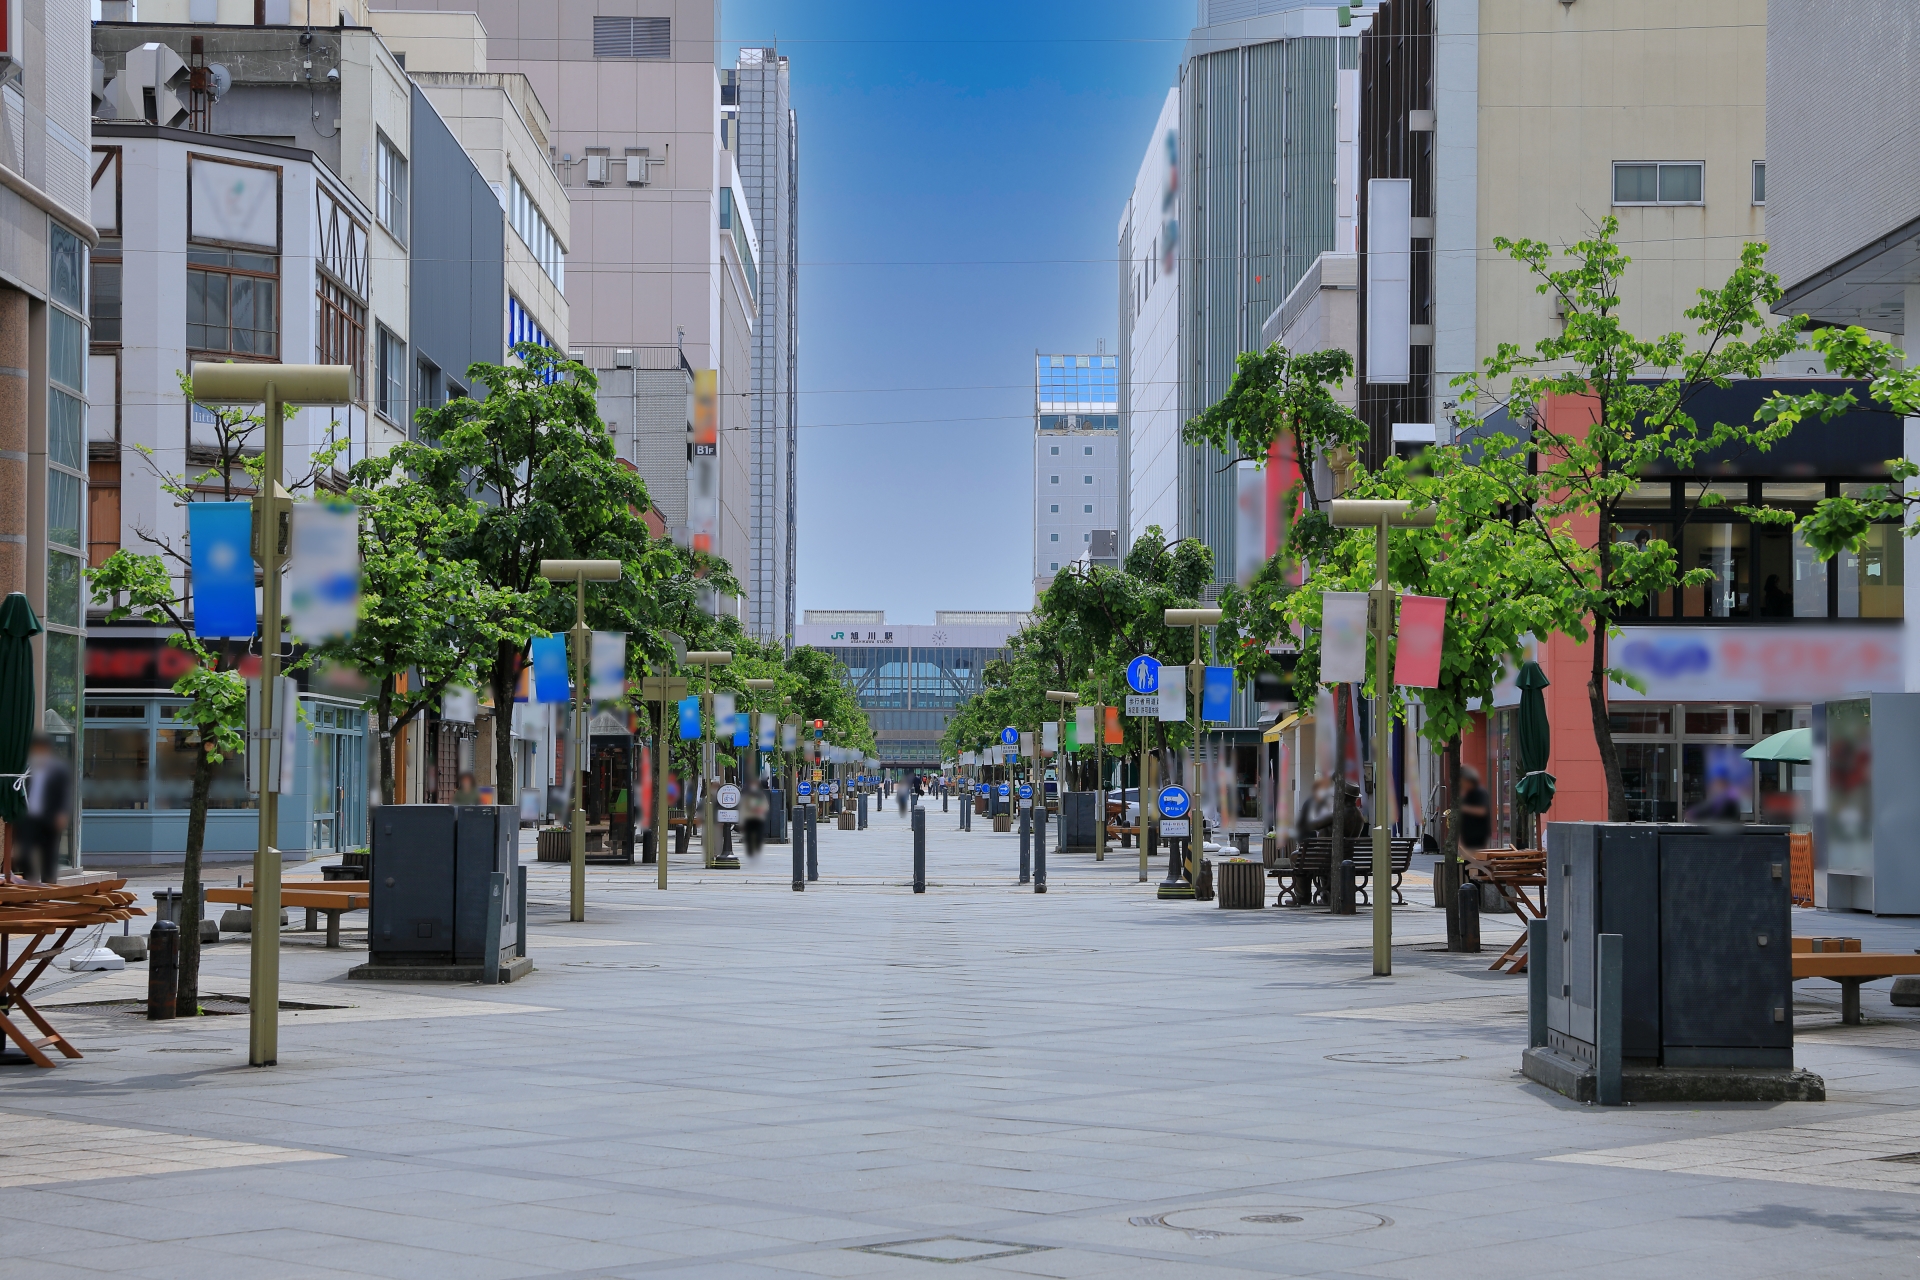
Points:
(962, 171)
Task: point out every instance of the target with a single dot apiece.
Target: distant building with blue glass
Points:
(1076, 462)
(910, 678)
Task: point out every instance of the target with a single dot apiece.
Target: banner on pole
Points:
(323, 570)
(607, 666)
(724, 727)
(689, 715)
(1173, 694)
(1423, 631)
(220, 536)
(1083, 726)
(1116, 736)
(1343, 637)
(769, 726)
(550, 669)
(1216, 696)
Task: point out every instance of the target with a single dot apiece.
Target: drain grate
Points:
(950, 1249)
(1387, 1058)
(1220, 1222)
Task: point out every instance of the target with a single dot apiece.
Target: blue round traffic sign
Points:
(1143, 674)
(1026, 791)
(806, 788)
(1174, 802)
(1005, 791)
(1010, 736)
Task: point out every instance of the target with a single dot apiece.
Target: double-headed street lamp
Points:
(1061, 700)
(709, 838)
(274, 386)
(753, 726)
(1196, 682)
(580, 572)
(1381, 514)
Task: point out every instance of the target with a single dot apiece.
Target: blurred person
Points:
(464, 792)
(1476, 811)
(754, 806)
(49, 809)
(1316, 811)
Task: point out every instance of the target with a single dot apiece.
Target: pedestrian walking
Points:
(49, 810)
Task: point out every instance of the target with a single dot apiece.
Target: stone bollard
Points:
(1026, 846)
(1039, 848)
(163, 970)
(1470, 917)
(798, 830)
(919, 850)
(813, 842)
(1345, 894)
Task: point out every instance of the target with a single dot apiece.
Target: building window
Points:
(1089, 451)
(536, 233)
(233, 303)
(392, 402)
(1089, 508)
(633, 38)
(1086, 537)
(1089, 479)
(390, 190)
(1054, 479)
(1053, 537)
(1056, 508)
(1759, 181)
(1648, 182)
(65, 612)
(341, 332)
(1055, 451)
(103, 300)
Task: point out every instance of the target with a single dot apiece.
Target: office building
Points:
(910, 678)
(1076, 462)
(1149, 394)
(767, 144)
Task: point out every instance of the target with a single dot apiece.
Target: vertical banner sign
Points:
(689, 715)
(1116, 736)
(769, 726)
(323, 570)
(703, 465)
(289, 731)
(1389, 259)
(789, 736)
(723, 726)
(1026, 744)
(550, 669)
(1343, 637)
(607, 667)
(1173, 694)
(221, 534)
(1216, 696)
(1283, 476)
(1249, 520)
(1423, 630)
(646, 788)
(1049, 738)
(740, 734)
(1083, 722)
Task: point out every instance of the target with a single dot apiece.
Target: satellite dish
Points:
(222, 80)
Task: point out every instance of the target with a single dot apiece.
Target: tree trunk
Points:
(187, 991)
(1603, 727)
(1450, 806)
(1339, 771)
(505, 675)
(386, 740)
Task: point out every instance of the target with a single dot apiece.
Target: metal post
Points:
(662, 818)
(1382, 778)
(919, 850)
(1100, 776)
(813, 842)
(519, 909)
(1537, 984)
(163, 970)
(263, 999)
(1470, 916)
(1145, 781)
(797, 829)
(1196, 685)
(1606, 1064)
(582, 640)
(1026, 839)
(496, 907)
(709, 839)
(1040, 846)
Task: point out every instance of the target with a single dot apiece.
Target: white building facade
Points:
(1076, 462)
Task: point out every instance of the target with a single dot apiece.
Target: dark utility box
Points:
(432, 865)
(1704, 918)
(776, 816)
(1076, 819)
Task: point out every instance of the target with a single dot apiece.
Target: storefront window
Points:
(1501, 779)
(1646, 771)
(1724, 551)
(117, 768)
(1873, 581)
(174, 753)
(1639, 537)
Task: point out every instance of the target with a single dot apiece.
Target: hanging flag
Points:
(646, 788)
(1250, 521)
(689, 715)
(1423, 629)
(550, 669)
(1173, 694)
(1350, 709)
(1073, 733)
(1116, 736)
(220, 535)
(1343, 637)
(1083, 730)
(769, 726)
(789, 736)
(1026, 744)
(740, 735)
(723, 718)
(323, 570)
(1049, 737)
(607, 666)
(1216, 695)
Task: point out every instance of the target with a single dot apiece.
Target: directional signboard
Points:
(1143, 704)
(1143, 674)
(1174, 804)
(806, 788)
(1026, 796)
(1005, 791)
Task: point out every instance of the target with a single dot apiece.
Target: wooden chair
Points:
(1512, 872)
(37, 912)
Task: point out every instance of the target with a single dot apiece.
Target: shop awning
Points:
(1273, 734)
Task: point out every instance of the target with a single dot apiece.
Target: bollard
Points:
(797, 829)
(813, 842)
(1345, 894)
(1606, 1030)
(1536, 984)
(1146, 852)
(519, 909)
(919, 850)
(943, 799)
(1040, 848)
(496, 910)
(863, 811)
(163, 970)
(1446, 887)
(1026, 845)
(1470, 916)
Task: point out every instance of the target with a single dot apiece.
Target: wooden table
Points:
(38, 912)
(1512, 872)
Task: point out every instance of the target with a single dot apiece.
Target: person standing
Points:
(1476, 811)
(49, 810)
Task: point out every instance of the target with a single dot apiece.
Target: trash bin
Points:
(1243, 884)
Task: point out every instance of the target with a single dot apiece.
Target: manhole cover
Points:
(950, 1249)
(1388, 1058)
(608, 964)
(1216, 1222)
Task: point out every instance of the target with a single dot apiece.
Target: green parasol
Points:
(18, 626)
(1794, 746)
(1535, 791)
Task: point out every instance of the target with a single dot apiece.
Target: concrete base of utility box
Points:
(1575, 1079)
(510, 971)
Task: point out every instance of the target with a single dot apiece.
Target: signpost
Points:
(1174, 804)
(1143, 677)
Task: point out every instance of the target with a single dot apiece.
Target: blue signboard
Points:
(221, 535)
(806, 788)
(1174, 802)
(1010, 736)
(689, 715)
(1216, 696)
(1026, 791)
(1143, 674)
(550, 682)
(1005, 791)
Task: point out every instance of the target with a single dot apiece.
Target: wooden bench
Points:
(1511, 872)
(1850, 969)
(1309, 868)
(333, 897)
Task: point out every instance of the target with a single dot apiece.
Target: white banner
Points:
(1050, 737)
(607, 666)
(1173, 694)
(323, 570)
(723, 726)
(1083, 731)
(769, 726)
(1343, 637)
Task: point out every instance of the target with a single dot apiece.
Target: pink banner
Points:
(1423, 627)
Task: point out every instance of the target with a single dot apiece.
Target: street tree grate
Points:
(950, 1249)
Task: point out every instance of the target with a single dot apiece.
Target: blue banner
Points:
(740, 735)
(1216, 698)
(689, 716)
(550, 669)
(220, 535)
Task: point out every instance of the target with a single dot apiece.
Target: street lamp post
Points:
(580, 572)
(753, 727)
(274, 386)
(1196, 681)
(665, 690)
(1061, 700)
(1099, 770)
(709, 838)
(1381, 515)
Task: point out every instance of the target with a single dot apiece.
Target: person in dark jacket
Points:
(49, 811)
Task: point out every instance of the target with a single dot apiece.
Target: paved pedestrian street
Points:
(733, 1079)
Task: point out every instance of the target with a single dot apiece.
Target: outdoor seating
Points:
(1306, 874)
(332, 897)
(1512, 872)
(1849, 969)
(37, 912)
